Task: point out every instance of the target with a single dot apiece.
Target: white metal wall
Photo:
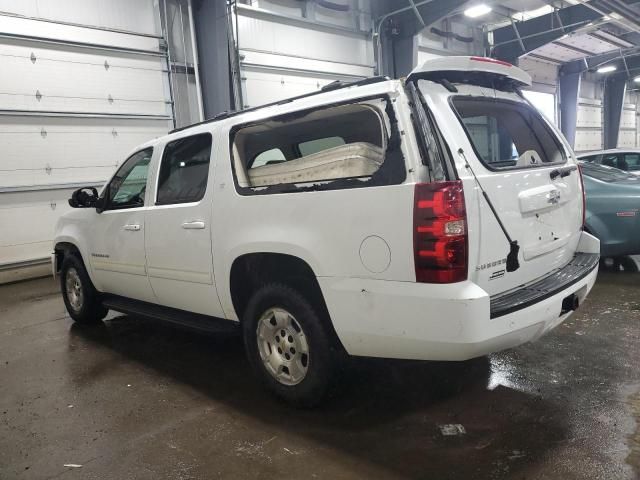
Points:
(82, 83)
(287, 50)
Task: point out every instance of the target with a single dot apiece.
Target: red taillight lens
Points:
(584, 198)
(491, 60)
(440, 232)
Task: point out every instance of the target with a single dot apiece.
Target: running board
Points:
(182, 318)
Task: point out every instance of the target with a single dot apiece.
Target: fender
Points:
(69, 230)
(223, 276)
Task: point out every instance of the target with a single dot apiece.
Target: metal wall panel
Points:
(588, 140)
(40, 151)
(627, 139)
(135, 16)
(283, 56)
(74, 101)
(39, 77)
(28, 220)
(589, 116)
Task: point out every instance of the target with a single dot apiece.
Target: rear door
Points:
(524, 166)
(178, 228)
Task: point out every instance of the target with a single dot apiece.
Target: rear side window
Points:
(631, 161)
(319, 147)
(184, 170)
(507, 134)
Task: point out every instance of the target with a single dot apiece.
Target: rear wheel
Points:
(80, 297)
(288, 345)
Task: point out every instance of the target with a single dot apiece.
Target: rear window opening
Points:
(507, 134)
(324, 145)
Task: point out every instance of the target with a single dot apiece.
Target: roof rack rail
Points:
(336, 85)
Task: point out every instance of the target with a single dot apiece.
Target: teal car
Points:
(613, 209)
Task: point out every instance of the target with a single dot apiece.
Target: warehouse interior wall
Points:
(83, 83)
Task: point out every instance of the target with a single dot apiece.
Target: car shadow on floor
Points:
(386, 413)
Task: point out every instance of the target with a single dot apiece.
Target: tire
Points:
(627, 264)
(80, 296)
(298, 367)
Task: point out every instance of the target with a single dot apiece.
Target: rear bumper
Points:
(444, 322)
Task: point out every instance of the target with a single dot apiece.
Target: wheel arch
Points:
(250, 271)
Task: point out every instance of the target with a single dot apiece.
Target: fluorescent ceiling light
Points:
(607, 69)
(477, 10)
(637, 79)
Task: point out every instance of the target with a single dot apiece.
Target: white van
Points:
(437, 217)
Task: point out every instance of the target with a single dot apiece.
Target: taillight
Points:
(584, 198)
(440, 232)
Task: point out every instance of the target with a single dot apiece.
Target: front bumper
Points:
(408, 320)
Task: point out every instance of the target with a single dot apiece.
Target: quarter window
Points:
(127, 187)
(184, 170)
(338, 142)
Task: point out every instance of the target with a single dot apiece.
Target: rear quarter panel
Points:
(333, 231)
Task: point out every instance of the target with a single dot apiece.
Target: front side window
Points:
(610, 160)
(184, 170)
(127, 187)
(507, 134)
(605, 174)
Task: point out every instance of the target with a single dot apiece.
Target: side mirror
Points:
(100, 204)
(84, 197)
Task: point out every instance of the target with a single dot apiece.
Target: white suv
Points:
(437, 218)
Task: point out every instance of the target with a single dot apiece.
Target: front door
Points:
(117, 254)
(178, 229)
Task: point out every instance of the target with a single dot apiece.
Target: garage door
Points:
(275, 64)
(73, 102)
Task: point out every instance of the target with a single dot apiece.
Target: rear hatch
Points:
(519, 158)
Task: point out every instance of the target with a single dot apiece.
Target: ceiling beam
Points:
(520, 38)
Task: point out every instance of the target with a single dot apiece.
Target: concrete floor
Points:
(136, 399)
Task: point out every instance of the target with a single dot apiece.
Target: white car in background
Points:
(627, 159)
(435, 218)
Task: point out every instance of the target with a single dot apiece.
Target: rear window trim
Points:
(511, 102)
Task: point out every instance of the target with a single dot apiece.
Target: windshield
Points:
(606, 174)
(507, 134)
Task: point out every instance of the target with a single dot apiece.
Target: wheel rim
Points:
(75, 295)
(283, 346)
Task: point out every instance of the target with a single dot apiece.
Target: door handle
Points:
(134, 227)
(195, 225)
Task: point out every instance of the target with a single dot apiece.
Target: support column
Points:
(614, 90)
(405, 55)
(211, 24)
(569, 89)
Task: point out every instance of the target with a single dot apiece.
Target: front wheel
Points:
(80, 296)
(288, 345)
